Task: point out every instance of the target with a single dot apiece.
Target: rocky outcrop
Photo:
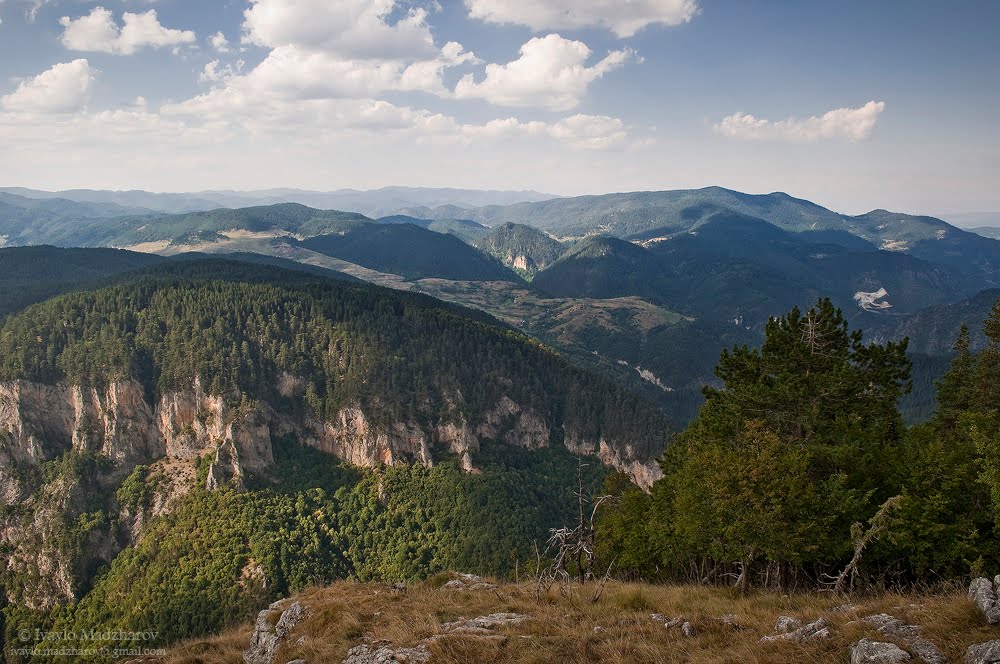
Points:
(387, 655)
(191, 422)
(40, 422)
(983, 653)
(509, 423)
(866, 651)
(470, 582)
(790, 629)
(270, 630)
(484, 625)
(910, 635)
(225, 470)
(984, 593)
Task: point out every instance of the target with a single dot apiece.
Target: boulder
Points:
(786, 624)
(483, 624)
(387, 655)
(866, 651)
(790, 629)
(688, 630)
(984, 653)
(984, 593)
(273, 624)
(923, 648)
(469, 582)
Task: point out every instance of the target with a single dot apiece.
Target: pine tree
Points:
(954, 388)
(798, 444)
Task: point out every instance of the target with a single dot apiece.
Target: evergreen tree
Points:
(795, 446)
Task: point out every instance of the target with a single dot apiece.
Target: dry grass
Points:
(567, 627)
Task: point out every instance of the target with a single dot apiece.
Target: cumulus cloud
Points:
(98, 32)
(214, 71)
(294, 72)
(349, 28)
(623, 18)
(219, 43)
(853, 124)
(551, 73)
(334, 49)
(64, 88)
(234, 109)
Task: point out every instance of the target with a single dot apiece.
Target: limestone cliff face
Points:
(40, 423)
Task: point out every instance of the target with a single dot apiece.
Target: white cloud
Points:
(98, 32)
(580, 131)
(214, 72)
(853, 124)
(348, 28)
(236, 109)
(623, 17)
(551, 73)
(294, 72)
(220, 43)
(62, 89)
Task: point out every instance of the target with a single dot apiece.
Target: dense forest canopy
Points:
(238, 328)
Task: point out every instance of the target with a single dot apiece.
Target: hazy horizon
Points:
(890, 111)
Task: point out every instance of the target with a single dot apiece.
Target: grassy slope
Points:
(617, 628)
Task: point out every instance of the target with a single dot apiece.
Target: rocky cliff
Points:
(50, 529)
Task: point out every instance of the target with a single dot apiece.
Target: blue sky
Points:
(855, 105)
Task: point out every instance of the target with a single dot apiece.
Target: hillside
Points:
(373, 203)
(933, 330)
(650, 215)
(624, 626)
(411, 252)
(741, 268)
(465, 230)
(253, 401)
(522, 248)
(987, 231)
(32, 274)
(30, 221)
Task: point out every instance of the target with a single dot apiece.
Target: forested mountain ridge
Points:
(398, 357)
(228, 392)
(522, 248)
(644, 216)
(373, 203)
(734, 267)
(411, 252)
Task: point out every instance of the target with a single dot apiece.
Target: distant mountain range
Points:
(372, 203)
(644, 286)
(987, 231)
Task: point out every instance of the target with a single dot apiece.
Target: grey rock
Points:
(786, 624)
(688, 630)
(272, 626)
(484, 624)
(786, 630)
(297, 661)
(984, 593)
(984, 653)
(669, 623)
(470, 582)
(867, 651)
(923, 648)
(387, 655)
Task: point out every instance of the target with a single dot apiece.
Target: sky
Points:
(856, 105)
